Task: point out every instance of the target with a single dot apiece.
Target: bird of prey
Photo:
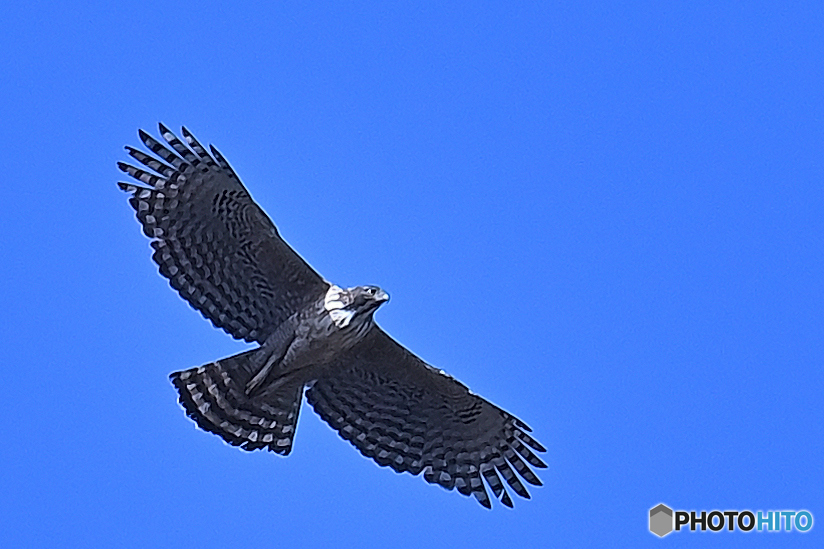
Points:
(224, 256)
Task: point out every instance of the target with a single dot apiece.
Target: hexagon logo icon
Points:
(660, 520)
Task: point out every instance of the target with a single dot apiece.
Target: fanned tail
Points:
(214, 396)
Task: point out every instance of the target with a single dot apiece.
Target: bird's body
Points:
(314, 336)
(223, 255)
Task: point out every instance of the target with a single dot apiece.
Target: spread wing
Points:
(409, 416)
(218, 249)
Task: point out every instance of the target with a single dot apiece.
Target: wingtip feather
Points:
(506, 500)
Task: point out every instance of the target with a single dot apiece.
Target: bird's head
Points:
(359, 301)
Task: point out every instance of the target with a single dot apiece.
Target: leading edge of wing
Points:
(405, 414)
(213, 243)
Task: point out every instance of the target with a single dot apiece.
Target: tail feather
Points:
(213, 396)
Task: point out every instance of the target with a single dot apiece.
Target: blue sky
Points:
(605, 219)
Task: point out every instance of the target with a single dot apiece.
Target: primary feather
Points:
(224, 256)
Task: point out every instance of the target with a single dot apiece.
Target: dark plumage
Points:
(222, 253)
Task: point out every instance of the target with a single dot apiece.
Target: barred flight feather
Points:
(224, 256)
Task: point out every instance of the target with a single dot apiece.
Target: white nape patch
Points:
(335, 304)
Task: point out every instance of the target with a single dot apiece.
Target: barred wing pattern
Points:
(409, 416)
(218, 249)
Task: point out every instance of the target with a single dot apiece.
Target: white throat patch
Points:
(335, 304)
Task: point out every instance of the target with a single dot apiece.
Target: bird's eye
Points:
(370, 291)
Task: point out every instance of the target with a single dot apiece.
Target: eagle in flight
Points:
(224, 256)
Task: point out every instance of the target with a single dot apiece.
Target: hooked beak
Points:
(381, 296)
